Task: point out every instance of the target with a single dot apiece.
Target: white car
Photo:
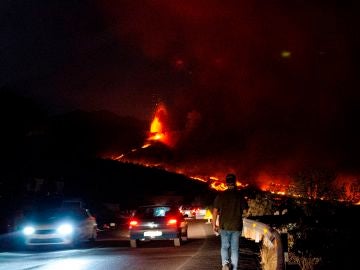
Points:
(63, 226)
(195, 212)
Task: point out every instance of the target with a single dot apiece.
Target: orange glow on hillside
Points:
(221, 186)
(347, 186)
(199, 179)
(274, 183)
(350, 187)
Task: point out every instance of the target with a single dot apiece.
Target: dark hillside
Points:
(127, 183)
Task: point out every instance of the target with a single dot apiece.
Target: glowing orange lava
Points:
(158, 129)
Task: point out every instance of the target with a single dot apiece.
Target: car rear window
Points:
(149, 212)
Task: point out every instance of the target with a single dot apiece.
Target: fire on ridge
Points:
(161, 134)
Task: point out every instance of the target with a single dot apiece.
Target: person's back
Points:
(229, 206)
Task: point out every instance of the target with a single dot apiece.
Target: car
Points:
(200, 213)
(158, 222)
(60, 226)
(195, 212)
(187, 211)
(110, 218)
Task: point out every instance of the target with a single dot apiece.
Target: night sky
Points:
(249, 86)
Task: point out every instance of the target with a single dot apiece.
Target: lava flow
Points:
(161, 145)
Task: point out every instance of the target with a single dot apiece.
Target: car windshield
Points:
(54, 214)
(154, 211)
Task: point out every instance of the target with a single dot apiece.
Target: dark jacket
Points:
(230, 205)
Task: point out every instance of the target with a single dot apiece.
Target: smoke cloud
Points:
(260, 87)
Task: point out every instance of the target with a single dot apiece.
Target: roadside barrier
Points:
(270, 238)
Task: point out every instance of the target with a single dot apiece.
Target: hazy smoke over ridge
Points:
(264, 86)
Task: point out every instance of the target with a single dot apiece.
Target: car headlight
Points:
(65, 229)
(28, 230)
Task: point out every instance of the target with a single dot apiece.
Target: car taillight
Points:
(172, 221)
(133, 223)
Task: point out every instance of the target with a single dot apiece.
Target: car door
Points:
(83, 224)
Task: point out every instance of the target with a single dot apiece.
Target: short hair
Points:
(230, 178)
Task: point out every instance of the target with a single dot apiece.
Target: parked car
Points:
(158, 222)
(60, 226)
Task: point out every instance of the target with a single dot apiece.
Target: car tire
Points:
(177, 242)
(184, 238)
(133, 243)
(184, 235)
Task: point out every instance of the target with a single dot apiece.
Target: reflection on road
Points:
(108, 254)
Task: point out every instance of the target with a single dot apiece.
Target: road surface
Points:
(113, 252)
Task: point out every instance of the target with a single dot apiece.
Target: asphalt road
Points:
(112, 252)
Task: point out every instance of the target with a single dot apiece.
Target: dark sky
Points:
(249, 85)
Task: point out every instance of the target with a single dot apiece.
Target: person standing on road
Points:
(229, 206)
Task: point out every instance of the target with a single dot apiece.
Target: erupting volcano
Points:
(267, 90)
(158, 130)
(162, 148)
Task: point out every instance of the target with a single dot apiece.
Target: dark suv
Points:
(158, 222)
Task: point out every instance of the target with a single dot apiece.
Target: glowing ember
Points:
(146, 145)
(199, 179)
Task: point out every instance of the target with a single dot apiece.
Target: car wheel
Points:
(177, 242)
(184, 237)
(133, 243)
